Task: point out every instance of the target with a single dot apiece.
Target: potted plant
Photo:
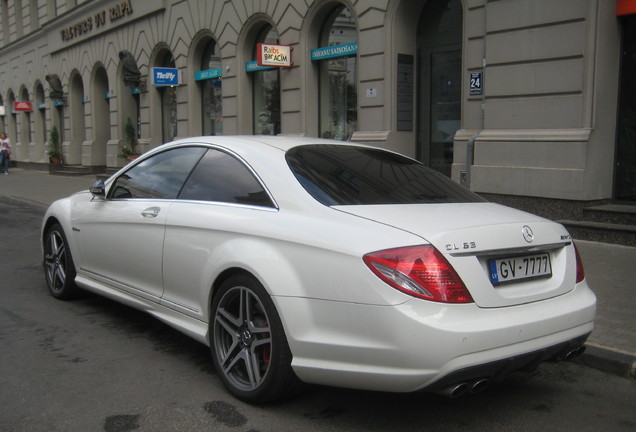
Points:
(130, 151)
(54, 151)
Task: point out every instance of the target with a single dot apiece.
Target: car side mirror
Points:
(98, 189)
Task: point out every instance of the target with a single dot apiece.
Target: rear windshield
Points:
(350, 175)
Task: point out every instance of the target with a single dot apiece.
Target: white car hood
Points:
(469, 234)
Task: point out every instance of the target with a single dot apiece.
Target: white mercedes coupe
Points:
(302, 260)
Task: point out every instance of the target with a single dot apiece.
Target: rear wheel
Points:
(249, 347)
(59, 268)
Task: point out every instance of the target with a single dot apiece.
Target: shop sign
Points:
(253, 67)
(165, 77)
(625, 7)
(342, 50)
(273, 55)
(208, 74)
(22, 106)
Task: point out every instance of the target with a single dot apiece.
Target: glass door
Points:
(439, 82)
(625, 173)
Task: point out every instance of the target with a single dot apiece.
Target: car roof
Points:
(283, 143)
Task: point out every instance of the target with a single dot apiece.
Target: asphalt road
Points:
(94, 365)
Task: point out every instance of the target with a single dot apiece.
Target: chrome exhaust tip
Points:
(479, 386)
(455, 390)
(575, 353)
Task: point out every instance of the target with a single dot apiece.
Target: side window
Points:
(222, 178)
(159, 177)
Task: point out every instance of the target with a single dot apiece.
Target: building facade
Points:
(523, 98)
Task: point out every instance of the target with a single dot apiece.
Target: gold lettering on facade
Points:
(120, 10)
(85, 26)
(100, 18)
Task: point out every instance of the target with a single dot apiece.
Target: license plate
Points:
(518, 268)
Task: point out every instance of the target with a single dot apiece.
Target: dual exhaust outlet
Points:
(460, 389)
(477, 386)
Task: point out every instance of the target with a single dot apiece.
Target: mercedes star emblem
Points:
(527, 233)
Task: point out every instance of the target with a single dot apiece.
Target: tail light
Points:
(421, 271)
(580, 271)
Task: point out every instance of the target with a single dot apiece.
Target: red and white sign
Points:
(273, 55)
(625, 7)
(22, 106)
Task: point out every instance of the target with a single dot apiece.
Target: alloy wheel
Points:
(55, 262)
(242, 338)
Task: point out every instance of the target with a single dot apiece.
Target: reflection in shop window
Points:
(168, 102)
(266, 92)
(169, 112)
(211, 91)
(338, 92)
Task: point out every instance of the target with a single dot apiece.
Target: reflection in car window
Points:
(160, 176)
(349, 175)
(221, 177)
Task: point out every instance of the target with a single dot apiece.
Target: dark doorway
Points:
(439, 42)
(625, 174)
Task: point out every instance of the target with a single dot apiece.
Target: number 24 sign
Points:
(476, 83)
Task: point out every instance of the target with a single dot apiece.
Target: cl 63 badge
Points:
(460, 246)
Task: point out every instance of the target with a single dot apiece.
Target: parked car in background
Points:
(301, 260)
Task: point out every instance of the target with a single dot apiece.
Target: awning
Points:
(625, 7)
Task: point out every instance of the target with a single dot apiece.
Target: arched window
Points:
(25, 119)
(3, 112)
(40, 115)
(209, 79)
(168, 96)
(11, 118)
(337, 58)
(76, 117)
(130, 86)
(266, 91)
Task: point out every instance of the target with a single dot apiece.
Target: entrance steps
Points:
(74, 170)
(608, 223)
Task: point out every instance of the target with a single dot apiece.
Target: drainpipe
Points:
(470, 159)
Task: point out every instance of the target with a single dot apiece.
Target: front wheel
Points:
(59, 268)
(249, 347)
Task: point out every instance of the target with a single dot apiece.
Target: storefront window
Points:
(625, 174)
(2, 114)
(211, 90)
(439, 42)
(169, 112)
(168, 102)
(338, 92)
(266, 92)
(26, 120)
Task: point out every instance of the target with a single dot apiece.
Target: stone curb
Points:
(608, 360)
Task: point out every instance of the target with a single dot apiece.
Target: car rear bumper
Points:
(424, 345)
(499, 370)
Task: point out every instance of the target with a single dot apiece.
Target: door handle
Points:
(151, 212)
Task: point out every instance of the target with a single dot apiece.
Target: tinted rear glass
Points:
(349, 175)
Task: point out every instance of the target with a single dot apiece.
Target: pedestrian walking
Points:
(5, 153)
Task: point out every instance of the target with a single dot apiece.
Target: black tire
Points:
(248, 343)
(59, 269)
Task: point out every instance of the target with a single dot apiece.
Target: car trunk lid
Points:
(504, 256)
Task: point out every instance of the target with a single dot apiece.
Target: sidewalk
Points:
(610, 270)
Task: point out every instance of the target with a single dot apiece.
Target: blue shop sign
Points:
(165, 76)
(253, 66)
(342, 50)
(208, 74)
